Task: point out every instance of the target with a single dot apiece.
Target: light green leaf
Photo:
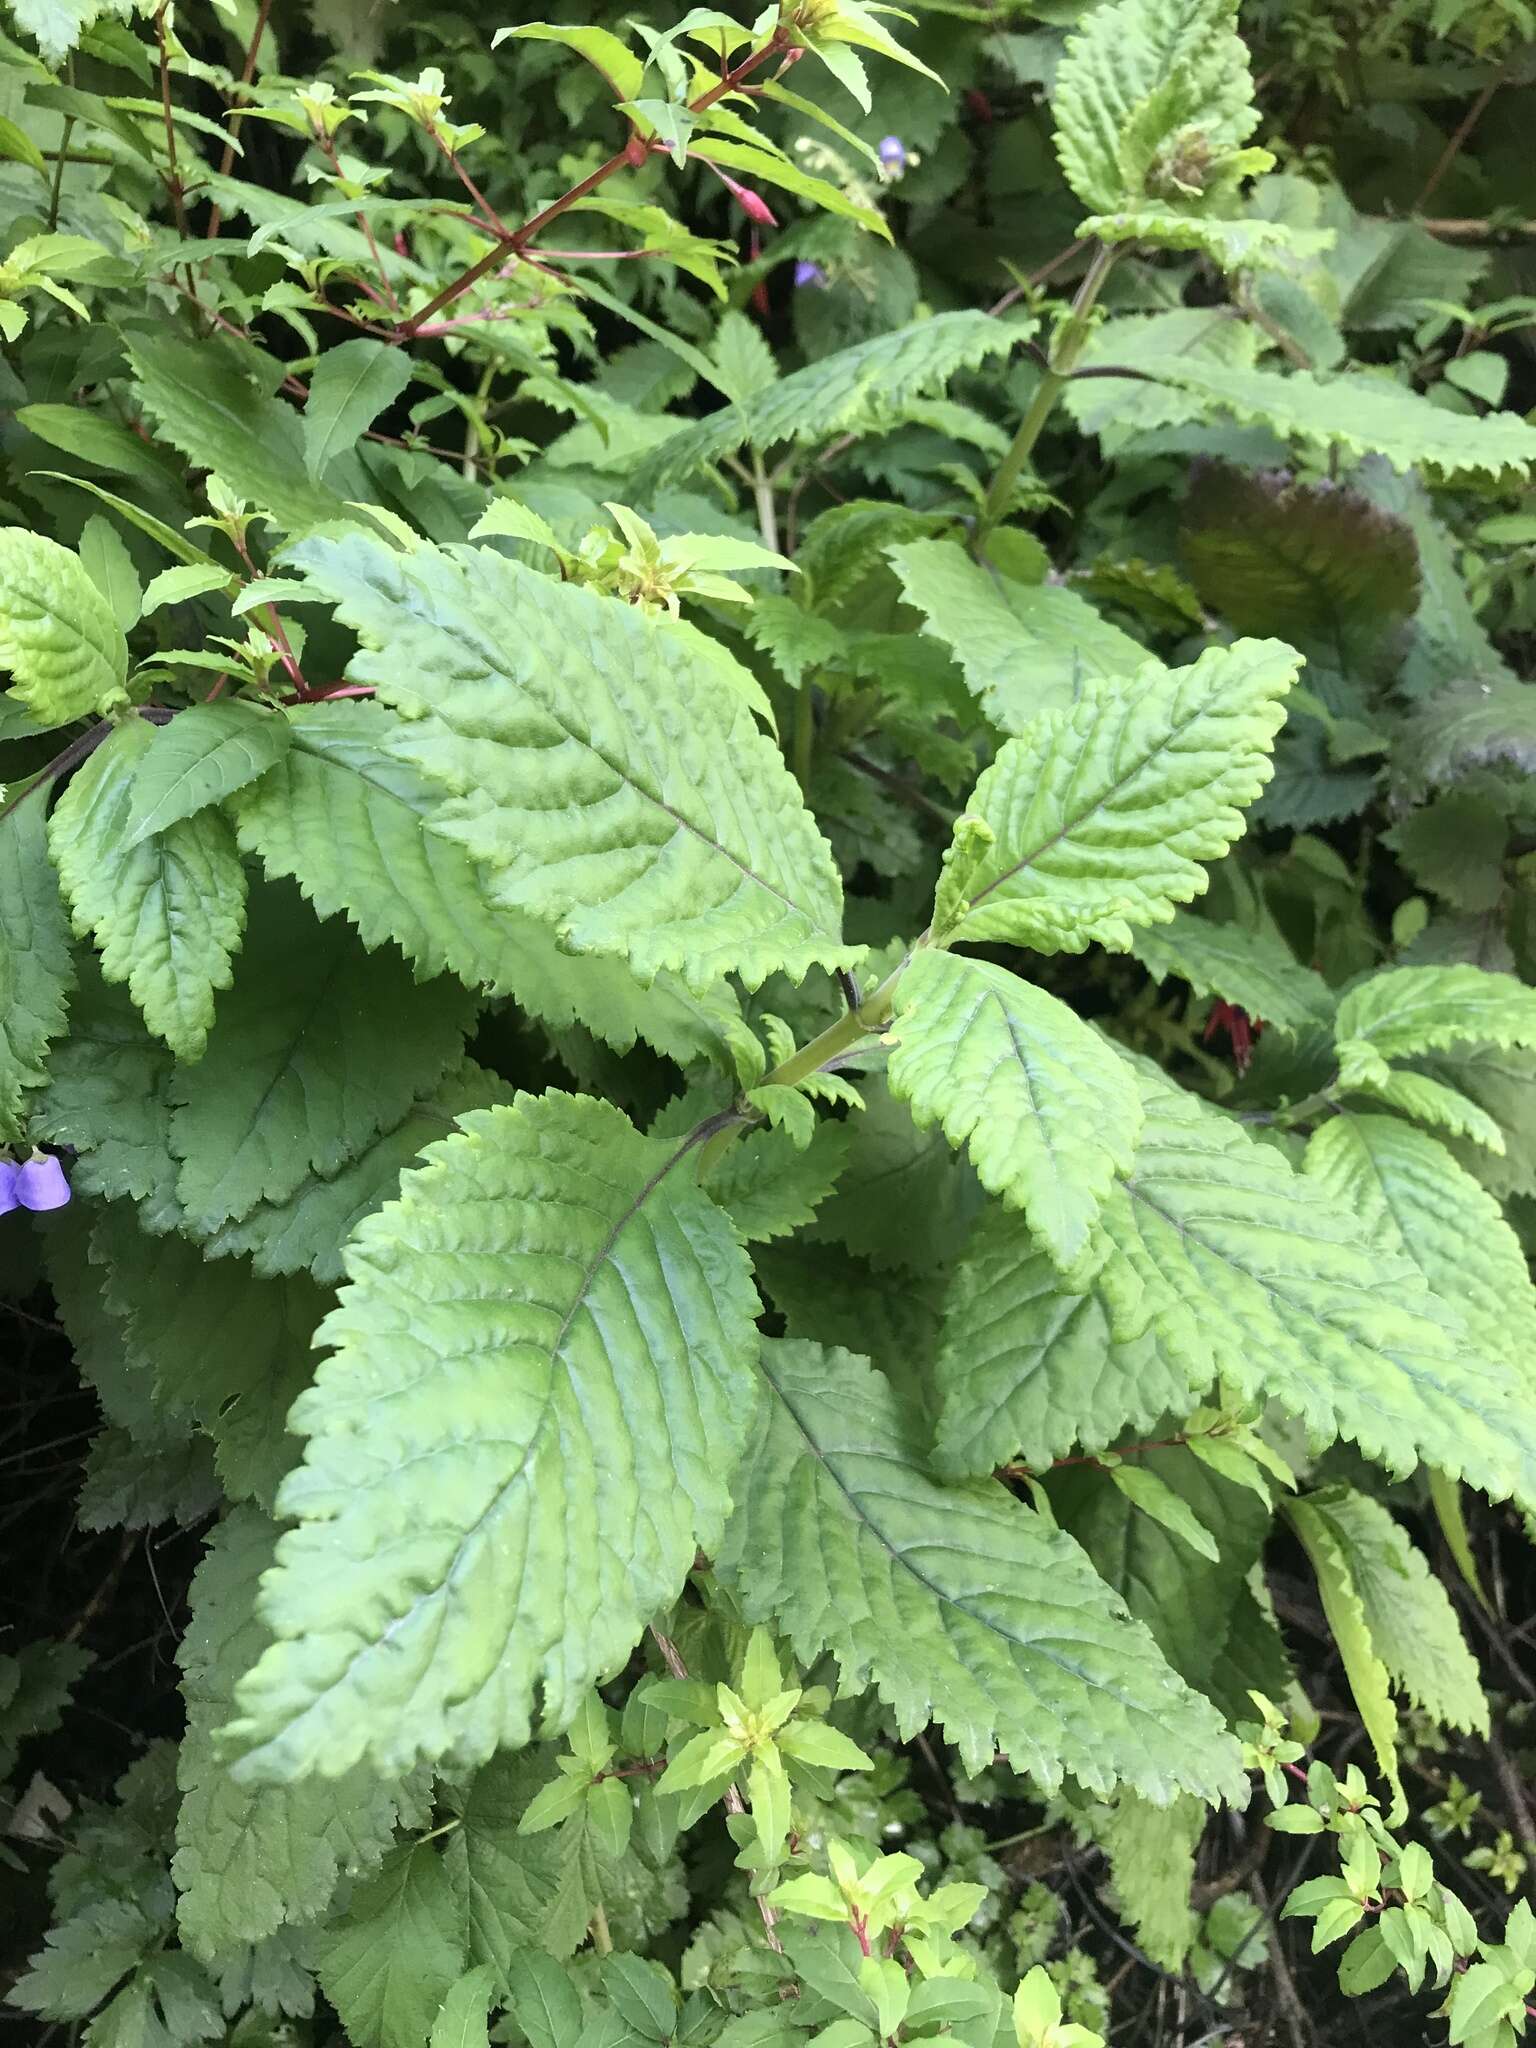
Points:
(36, 972)
(186, 580)
(165, 536)
(617, 63)
(92, 437)
(58, 636)
(956, 1603)
(1407, 1010)
(1029, 1369)
(462, 2021)
(1024, 647)
(167, 911)
(110, 567)
(391, 1959)
(350, 386)
(291, 1083)
(1363, 412)
(204, 754)
(769, 168)
(592, 761)
(1152, 1860)
(1251, 1271)
(553, 1327)
(1429, 1101)
(1153, 1496)
(1367, 1675)
(1046, 1108)
(853, 390)
(1254, 969)
(510, 1887)
(1102, 812)
(250, 1859)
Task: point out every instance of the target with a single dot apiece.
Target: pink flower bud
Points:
(40, 1183)
(752, 204)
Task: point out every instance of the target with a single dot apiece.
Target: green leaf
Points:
(1314, 564)
(391, 1959)
(1428, 1100)
(852, 391)
(1363, 412)
(1416, 1202)
(1408, 1010)
(166, 911)
(1365, 1671)
(462, 2020)
(165, 536)
(555, 1327)
(204, 754)
(106, 1096)
(208, 409)
(1142, 82)
(1101, 812)
(1256, 970)
(1412, 1625)
(251, 1858)
(110, 567)
(618, 64)
(224, 1346)
(1152, 1860)
(93, 438)
(350, 386)
(954, 1602)
(36, 971)
(509, 1886)
(1474, 725)
(1046, 1108)
(1029, 1369)
(1249, 1270)
(58, 636)
(1024, 647)
(348, 820)
(1153, 1496)
(292, 1082)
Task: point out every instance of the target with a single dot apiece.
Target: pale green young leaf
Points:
(1428, 1101)
(1254, 969)
(956, 1603)
(675, 838)
(553, 1325)
(855, 389)
(1029, 1369)
(1023, 647)
(1367, 1674)
(1232, 244)
(348, 819)
(1414, 1200)
(36, 971)
(390, 1960)
(604, 51)
(1408, 1010)
(252, 1858)
(168, 911)
(1140, 78)
(1153, 1496)
(1048, 1111)
(110, 567)
(1103, 811)
(349, 387)
(58, 635)
(291, 1083)
(1152, 1860)
(1412, 1624)
(1249, 1270)
(204, 754)
(186, 580)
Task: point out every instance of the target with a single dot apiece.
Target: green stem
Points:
(762, 493)
(1070, 340)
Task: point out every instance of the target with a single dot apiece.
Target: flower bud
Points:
(40, 1183)
(893, 152)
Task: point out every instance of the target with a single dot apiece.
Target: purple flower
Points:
(893, 152)
(810, 276)
(8, 1173)
(40, 1183)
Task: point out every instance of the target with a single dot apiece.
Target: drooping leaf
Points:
(954, 1602)
(36, 971)
(552, 1327)
(1315, 564)
(590, 762)
(203, 755)
(348, 819)
(855, 388)
(291, 1083)
(1367, 1674)
(252, 1858)
(167, 912)
(1255, 970)
(1407, 1010)
(1046, 1108)
(1152, 1860)
(1030, 1370)
(1024, 647)
(58, 636)
(1102, 812)
(391, 1959)
(351, 385)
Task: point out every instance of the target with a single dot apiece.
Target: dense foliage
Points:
(767, 1021)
